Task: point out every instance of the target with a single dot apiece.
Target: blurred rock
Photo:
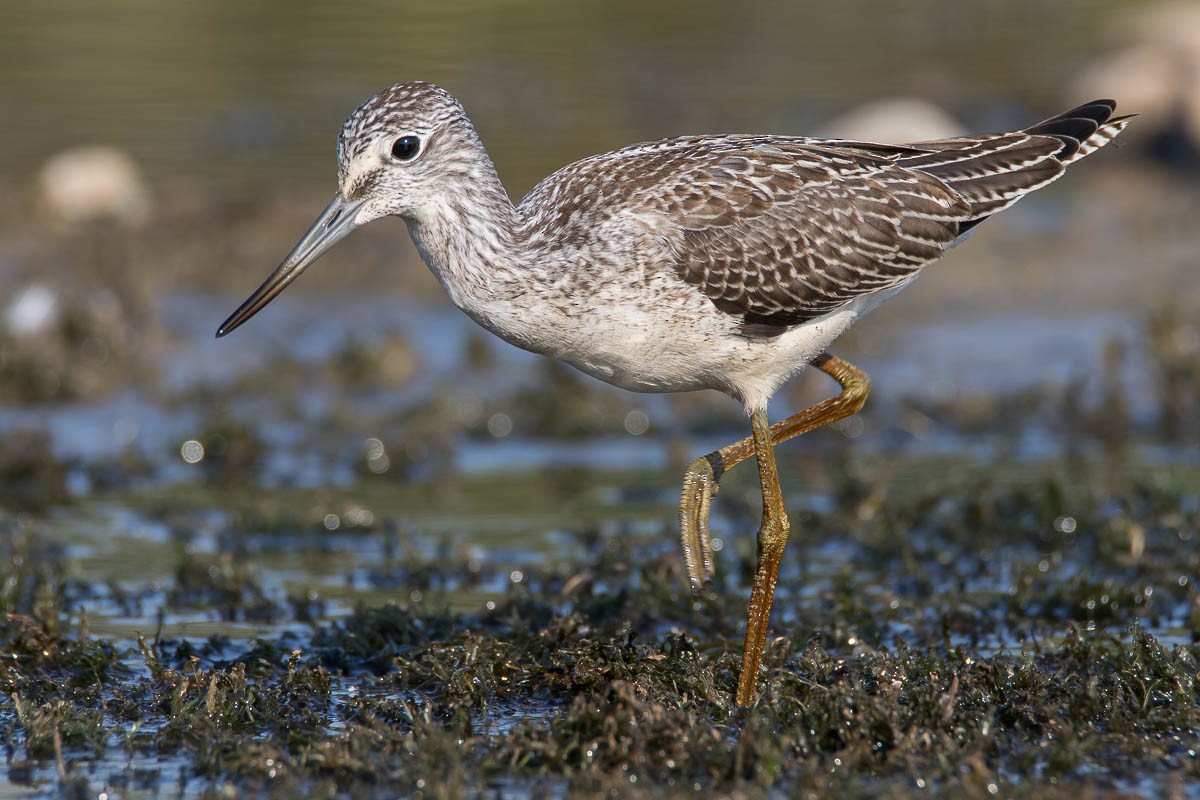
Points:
(34, 309)
(1141, 77)
(895, 120)
(1154, 73)
(69, 345)
(1174, 25)
(91, 184)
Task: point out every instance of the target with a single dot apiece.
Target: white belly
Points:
(641, 351)
(659, 335)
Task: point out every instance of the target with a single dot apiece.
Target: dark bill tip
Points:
(335, 222)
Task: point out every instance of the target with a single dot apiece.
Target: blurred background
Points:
(158, 160)
(1024, 470)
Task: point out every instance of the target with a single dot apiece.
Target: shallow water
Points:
(363, 445)
(299, 558)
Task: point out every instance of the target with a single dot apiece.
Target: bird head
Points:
(394, 152)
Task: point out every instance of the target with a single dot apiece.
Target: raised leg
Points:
(700, 480)
(700, 485)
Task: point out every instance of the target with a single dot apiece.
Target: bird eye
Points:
(406, 147)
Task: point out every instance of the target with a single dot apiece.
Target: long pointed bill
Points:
(331, 227)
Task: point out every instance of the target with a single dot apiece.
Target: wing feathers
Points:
(779, 230)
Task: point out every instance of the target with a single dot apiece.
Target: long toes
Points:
(695, 507)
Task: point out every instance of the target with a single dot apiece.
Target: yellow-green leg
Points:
(700, 485)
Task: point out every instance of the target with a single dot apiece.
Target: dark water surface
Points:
(224, 91)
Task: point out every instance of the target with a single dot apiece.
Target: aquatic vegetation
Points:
(31, 475)
(1019, 639)
(400, 568)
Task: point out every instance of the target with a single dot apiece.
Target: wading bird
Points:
(699, 262)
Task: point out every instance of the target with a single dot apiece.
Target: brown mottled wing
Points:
(778, 230)
(782, 230)
(785, 231)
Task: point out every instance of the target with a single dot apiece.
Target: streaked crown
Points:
(416, 108)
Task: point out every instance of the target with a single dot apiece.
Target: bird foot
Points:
(695, 506)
